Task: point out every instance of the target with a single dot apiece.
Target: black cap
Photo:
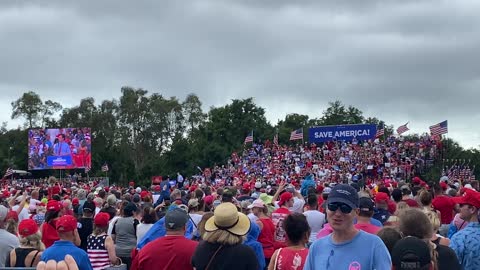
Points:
(343, 194)
(411, 253)
(89, 206)
(365, 204)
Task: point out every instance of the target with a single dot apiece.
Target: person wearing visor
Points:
(346, 247)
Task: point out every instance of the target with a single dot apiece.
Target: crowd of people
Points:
(357, 205)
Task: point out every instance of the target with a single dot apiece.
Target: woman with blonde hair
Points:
(31, 246)
(222, 246)
(436, 238)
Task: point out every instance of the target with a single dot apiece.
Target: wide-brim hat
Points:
(226, 217)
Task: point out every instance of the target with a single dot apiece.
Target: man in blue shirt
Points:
(466, 242)
(61, 148)
(346, 247)
(67, 231)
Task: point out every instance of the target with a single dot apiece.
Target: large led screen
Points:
(59, 148)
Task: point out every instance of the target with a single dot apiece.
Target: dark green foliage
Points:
(142, 134)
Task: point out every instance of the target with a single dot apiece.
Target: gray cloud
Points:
(401, 61)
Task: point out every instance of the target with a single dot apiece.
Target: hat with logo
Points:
(365, 204)
(411, 253)
(27, 227)
(66, 223)
(101, 219)
(176, 218)
(469, 197)
(89, 206)
(343, 193)
(54, 206)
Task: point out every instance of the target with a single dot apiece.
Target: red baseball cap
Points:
(75, 201)
(470, 197)
(443, 185)
(66, 223)
(143, 194)
(416, 180)
(101, 219)
(285, 197)
(12, 215)
(246, 186)
(27, 227)
(381, 197)
(54, 205)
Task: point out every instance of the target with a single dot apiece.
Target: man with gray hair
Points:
(8, 241)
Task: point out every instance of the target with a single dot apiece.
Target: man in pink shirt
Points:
(364, 216)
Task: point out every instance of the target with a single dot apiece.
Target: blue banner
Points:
(59, 161)
(342, 133)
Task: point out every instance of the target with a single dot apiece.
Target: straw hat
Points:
(226, 217)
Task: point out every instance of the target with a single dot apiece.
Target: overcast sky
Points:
(400, 61)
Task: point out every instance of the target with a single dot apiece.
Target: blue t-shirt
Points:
(364, 251)
(466, 244)
(373, 221)
(61, 248)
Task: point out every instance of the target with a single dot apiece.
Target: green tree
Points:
(29, 106)
(49, 108)
(192, 111)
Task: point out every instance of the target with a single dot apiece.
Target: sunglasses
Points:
(343, 207)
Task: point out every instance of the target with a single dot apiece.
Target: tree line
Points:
(142, 134)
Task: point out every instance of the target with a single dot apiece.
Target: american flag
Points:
(249, 138)
(296, 134)
(87, 169)
(105, 168)
(402, 129)
(380, 132)
(275, 139)
(8, 173)
(439, 129)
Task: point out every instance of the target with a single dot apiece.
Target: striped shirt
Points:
(97, 252)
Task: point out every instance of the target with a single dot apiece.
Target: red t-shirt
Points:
(266, 237)
(445, 205)
(49, 233)
(278, 216)
(367, 227)
(168, 252)
(291, 259)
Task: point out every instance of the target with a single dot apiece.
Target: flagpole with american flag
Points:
(249, 138)
(402, 129)
(380, 132)
(275, 139)
(8, 172)
(297, 135)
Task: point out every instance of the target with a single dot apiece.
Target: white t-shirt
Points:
(297, 205)
(23, 214)
(142, 229)
(196, 219)
(316, 220)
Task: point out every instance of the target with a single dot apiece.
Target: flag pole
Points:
(303, 142)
